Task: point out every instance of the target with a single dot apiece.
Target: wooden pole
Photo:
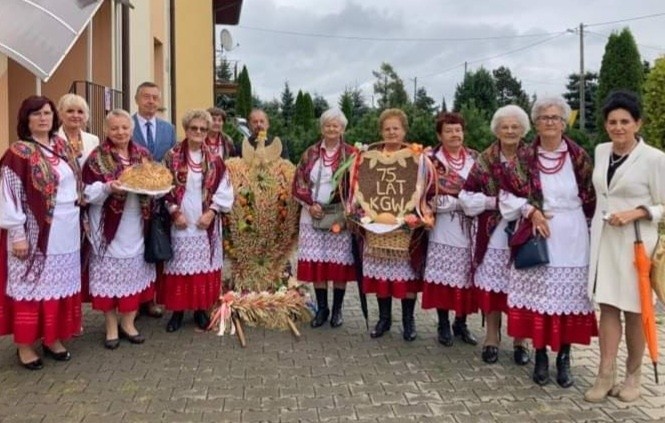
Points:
(293, 328)
(239, 331)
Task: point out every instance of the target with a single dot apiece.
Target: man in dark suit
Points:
(158, 136)
(258, 121)
(153, 133)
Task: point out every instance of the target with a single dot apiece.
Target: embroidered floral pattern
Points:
(493, 274)
(191, 255)
(302, 185)
(448, 265)
(550, 290)
(324, 246)
(390, 270)
(60, 278)
(112, 277)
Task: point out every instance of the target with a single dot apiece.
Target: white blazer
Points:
(88, 140)
(640, 181)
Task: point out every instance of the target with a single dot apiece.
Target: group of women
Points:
(62, 206)
(56, 182)
(486, 206)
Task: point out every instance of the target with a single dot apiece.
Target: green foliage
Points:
(478, 87)
(224, 72)
(654, 105)
(299, 112)
(287, 105)
(389, 87)
(478, 134)
(621, 68)
(366, 130)
(572, 96)
(444, 106)
(244, 100)
(320, 105)
(509, 89)
(424, 102)
(582, 138)
(345, 104)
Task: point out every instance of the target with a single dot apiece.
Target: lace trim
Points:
(60, 278)
(391, 270)
(493, 274)
(191, 255)
(448, 265)
(550, 290)
(323, 246)
(112, 277)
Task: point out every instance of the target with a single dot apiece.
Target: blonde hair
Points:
(394, 113)
(190, 115)
(70, 100)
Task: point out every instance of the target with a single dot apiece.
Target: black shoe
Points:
(57, 356)
(443, 330)
(133, 339)
(460, 330)
(563, 376)
(111, 344)
(336, 319)
(408, 322)
(175, 322)
(385, 317)
(322, 310)
(521, 355)
(201, 319)
(36, 364)
(151, 310)
(490, 354)
(541, 370)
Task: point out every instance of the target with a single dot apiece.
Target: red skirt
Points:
(490, 301)
(191, 292)
(48, 320)
(159, 283)
(124, 304)
(397, 289)
(461, 300)
(553, 330)
(316, 271)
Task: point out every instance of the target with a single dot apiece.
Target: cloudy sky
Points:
(323, 46)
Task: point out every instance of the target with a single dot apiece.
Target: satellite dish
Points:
(226, 40)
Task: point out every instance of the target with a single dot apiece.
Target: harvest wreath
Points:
(259, 237)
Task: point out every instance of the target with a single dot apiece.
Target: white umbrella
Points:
(38, 34)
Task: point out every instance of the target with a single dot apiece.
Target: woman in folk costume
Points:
(448, 281)
(324, 254)
(218, 141)
(491, 255)
(629, 178)
(550, 190)
(396, 277)
(40, 240)
(120, 279)
(202, 191)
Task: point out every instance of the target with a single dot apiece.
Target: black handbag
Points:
(158, 236)
(527, 253)
(532, 253)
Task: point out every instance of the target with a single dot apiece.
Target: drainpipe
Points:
(172, 53)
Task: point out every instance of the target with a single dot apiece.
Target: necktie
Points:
(150, 140)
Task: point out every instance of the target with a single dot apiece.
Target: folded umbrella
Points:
(643, 267)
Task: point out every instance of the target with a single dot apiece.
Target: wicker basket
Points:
(393, 245)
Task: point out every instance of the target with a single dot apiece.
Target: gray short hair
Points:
(190, 115)
(545, 102)
(119, 113)
(333, 114)
(70, 100)
(509, 111)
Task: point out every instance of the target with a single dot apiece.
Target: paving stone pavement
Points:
(329, 375)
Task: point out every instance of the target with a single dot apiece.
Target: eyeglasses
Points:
(198, 128)
(549, 119)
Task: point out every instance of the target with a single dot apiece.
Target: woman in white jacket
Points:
(629, 180)
(74, 114)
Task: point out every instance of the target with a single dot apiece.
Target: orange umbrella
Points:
(643, 267)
